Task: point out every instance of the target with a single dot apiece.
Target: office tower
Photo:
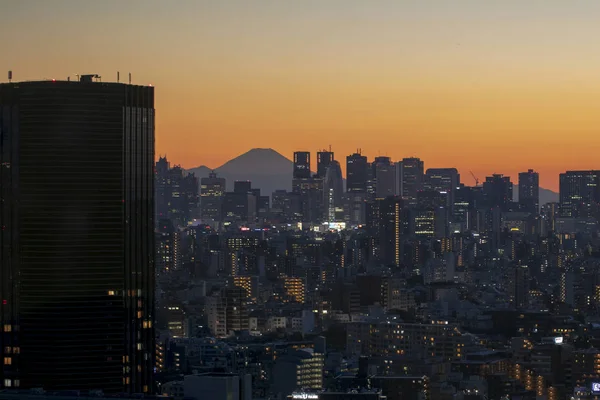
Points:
(301, 165)
(238, 207)
(443, 180)
(579, 191)
(498, 191)
(176, 193)
(287, 206)
(162, 188)
(519, 288)
(411, 179)
(356, 173)
(77, 266)
(529, 191)
(243, 187)
(212, 190)
(333, 189)
(324, 159)
(384, 219)
(310, 188)
(384, 173)
(168, 247)
(354, 204)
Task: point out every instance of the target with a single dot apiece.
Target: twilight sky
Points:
(488, 86)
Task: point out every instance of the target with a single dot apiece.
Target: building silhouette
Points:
(579, 191)
(410, 179)
(333, 189)
(212, 190)
(77, 267)
(324, 159)
(384, 174)
(498, 191)
(443, 180)
(356, 173)
(529, 191)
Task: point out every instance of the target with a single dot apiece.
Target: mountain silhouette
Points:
(265, 168)
(546, 195)
(270, 171)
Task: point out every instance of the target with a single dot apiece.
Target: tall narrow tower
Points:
(77, 235)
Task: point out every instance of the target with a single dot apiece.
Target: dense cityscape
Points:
(123, 276)
(399, 282)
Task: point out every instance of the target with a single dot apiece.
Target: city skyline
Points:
(481, 87)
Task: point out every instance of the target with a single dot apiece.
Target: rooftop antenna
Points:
(9, 76)
(130, 78)
(118, 76)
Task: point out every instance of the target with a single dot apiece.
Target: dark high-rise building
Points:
(384, 219)
(384, 173)
(176, 193)
(302, 165)
(498, 191)
(162, 188)
(529, 191)
(243, 187)
(333, 189)
(324, 159)
(443, 180)
(356, 173)
(410, 179)
(212, 190)
(77, 241)
(579, 190)
(168, 249)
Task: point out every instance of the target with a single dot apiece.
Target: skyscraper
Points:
(579, 190)
(77, 241)
(443, 180)
(212, 190)
(529, 191)
(301, 165)
(385, 177)
(333, 188)
(410, 179)
(324, 159)
(356, 173)
(498, 191)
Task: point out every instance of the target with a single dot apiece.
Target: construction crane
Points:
(476, 178)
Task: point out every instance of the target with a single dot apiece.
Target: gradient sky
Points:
(487, 86)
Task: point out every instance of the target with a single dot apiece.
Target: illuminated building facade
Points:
(212, 189)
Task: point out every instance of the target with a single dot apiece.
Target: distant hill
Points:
(270, 171)
(265, 168)
(546, 195)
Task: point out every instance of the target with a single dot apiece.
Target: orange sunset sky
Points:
(487, 86)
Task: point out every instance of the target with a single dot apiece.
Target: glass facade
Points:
(77, 235)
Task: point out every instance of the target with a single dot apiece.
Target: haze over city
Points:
(482, 86)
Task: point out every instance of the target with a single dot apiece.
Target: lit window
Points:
(7, 328)
(139, 346)
(111, 292)
(7, 383)
(7, 361)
